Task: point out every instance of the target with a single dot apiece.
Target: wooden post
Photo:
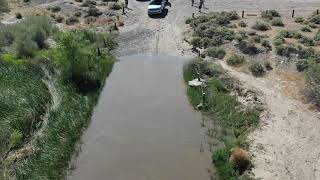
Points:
(292, 13)
(203, 98)
(115, 26)
(99, 52)
(123, 10)
(242, 14)
(199, 53)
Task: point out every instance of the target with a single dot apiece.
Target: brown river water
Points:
(143, 127)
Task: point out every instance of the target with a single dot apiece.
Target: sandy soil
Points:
(287, 143)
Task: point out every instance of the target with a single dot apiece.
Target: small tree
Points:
(4, 6)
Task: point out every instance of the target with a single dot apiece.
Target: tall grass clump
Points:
(24, 98)
(234, 118)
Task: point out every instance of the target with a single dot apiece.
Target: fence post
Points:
(242, 14)
(292, 13)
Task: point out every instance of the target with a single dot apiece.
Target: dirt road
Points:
(287, 145)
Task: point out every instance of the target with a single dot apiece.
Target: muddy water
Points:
(143, 127)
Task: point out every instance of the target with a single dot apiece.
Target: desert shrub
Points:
(59, 19)
(257, 69)
(188, 20)
(78, 0)
(299, 20)
(257, 38)
(115, 6)
(313, 26)
(241, 35)
(266, 44)
(4, 6)
(55, 8)
(242, 24)
(18, 15)
(216, 52)
(72, 20)
(252, 33)
(306, 41)
(88, 3)
(269, 14)
(317, 36)
(277, 22)
(301, 65)
(313, 81)
(306, 29)
(77, 14)
(315, 19)
(284, 50)
(305, 53)
(261, 26)
(247, 47)
(268, 66)
(235, 60)
(93, 11)
(289, 34)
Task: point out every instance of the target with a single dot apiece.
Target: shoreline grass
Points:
(235, 119)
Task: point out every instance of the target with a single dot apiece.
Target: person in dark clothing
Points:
(192, 2)
(200, 5)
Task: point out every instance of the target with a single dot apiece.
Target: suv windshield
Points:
(156, 2)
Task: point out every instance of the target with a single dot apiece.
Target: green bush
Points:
(306, 29)
(261, 26)
(235, 60)
(81, 61)
(313, 26)
(59, 19)
(242, 24)
(299, 20)
(277, 22)
(216, 52)
(257, 69)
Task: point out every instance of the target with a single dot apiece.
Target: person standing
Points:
(200, 5)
